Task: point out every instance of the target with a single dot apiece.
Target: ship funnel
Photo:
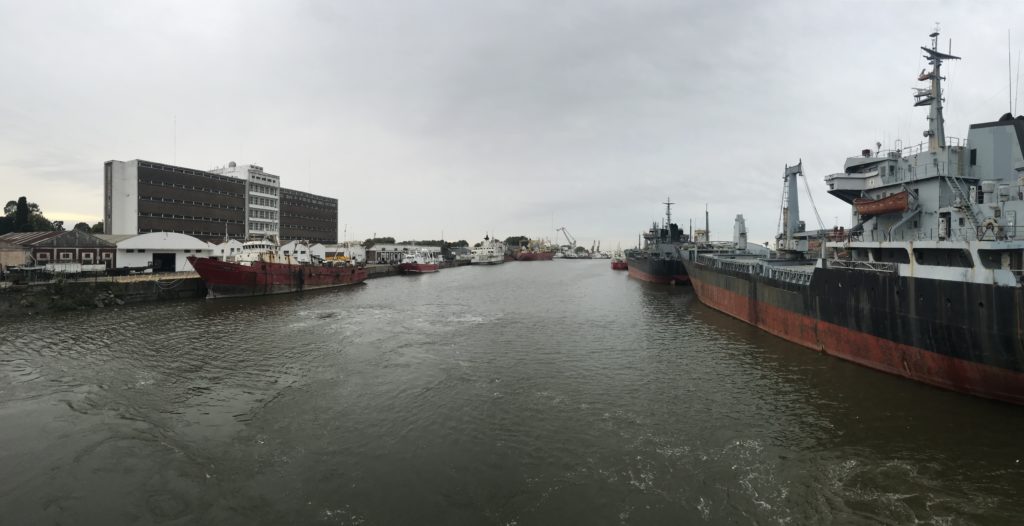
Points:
(739, 233)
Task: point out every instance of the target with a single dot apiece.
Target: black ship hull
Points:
(656, 270)
(966, 337)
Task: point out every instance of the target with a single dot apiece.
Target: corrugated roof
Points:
(4, 245)
(27, 238)
(73, 238)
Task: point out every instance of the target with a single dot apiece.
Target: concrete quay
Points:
(110, 291)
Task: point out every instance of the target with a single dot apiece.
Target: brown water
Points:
(527, 393)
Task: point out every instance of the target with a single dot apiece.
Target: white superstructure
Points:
(490, 252)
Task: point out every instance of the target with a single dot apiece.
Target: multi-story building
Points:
(308, 216)
(237, 202)
(262, 205)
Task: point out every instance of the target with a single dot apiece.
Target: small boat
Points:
(619, 261)
(419, 262)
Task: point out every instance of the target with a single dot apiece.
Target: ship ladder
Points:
(965, 206)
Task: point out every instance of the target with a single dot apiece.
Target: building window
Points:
(142, 250)
(130, 251)
(65, 256)
(106, 255)
(974, 156)
(43, 256)
(87, 256)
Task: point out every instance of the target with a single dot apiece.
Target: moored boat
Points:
(660, 260)
(490, 252)
(260, 269)
(419, 262)
(933, 292)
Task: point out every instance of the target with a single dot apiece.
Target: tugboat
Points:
(260, 269)
(661, 258)
(926, 285)
(419, 262)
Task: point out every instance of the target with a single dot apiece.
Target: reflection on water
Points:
(542, 392)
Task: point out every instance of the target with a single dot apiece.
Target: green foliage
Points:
(515, 241)
(83, 226)
(97, 228)
(581, 250)
(369, 243)
(23, 216)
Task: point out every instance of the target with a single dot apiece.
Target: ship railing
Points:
(788, 275)
(873, 266)
(920, 147)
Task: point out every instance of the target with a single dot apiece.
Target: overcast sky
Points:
(467, 117)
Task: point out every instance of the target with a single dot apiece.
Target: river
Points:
(527, 393)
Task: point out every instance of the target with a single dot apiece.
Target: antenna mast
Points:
(932, 96)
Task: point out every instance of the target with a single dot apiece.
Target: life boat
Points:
(898, 202)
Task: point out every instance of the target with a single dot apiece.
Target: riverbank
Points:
(110, 291)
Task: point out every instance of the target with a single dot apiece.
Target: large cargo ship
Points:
(260, 270)
(660, 260)
(926, 285)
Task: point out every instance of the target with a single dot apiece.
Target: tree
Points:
(515, 241)
(57, 226)
(369, 243)
(97, 228)
(83, 226)
(10, 207)
(21, 216)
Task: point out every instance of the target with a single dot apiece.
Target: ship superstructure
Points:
(927, 282)
(660, 259)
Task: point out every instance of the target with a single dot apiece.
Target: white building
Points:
(163, 251)
(263, 205)
(392, 254)
(225, 251)
(302, 252)
(352, 251)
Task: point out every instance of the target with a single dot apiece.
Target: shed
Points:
(71, 246)
(164, 251)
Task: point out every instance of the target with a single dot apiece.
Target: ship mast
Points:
(932, 96)
(668, 211)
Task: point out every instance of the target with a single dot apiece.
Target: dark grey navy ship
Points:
(660, 260)
(927, 283)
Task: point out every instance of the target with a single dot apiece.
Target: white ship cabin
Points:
(946, 202)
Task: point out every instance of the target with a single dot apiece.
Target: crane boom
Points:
(568, 237)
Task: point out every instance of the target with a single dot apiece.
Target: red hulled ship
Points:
(260, 270)
(420, 262)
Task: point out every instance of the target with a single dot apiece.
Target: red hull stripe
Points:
(418, 268)
(229, 279)
(868, 350)
(665, 280)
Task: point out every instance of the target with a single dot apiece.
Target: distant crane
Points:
(568, 237)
